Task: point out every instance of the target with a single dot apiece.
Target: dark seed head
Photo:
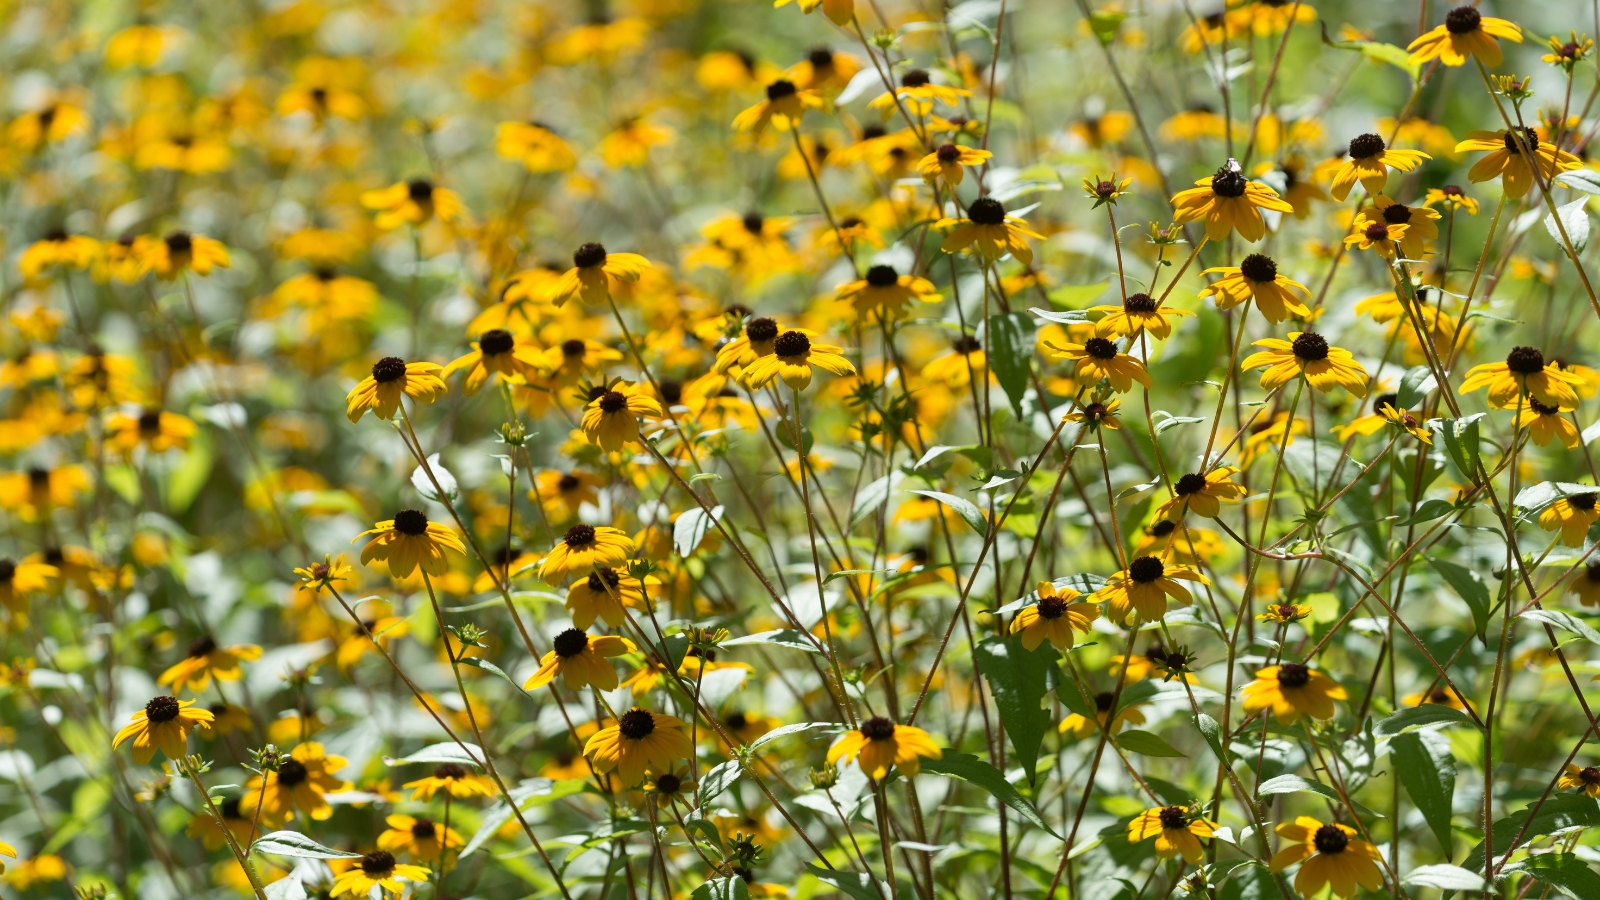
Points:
(1525, 360)
(1052, 607)
(378, 862)
(1390, 400)
(986, 211)
(202, 646)
(1100, 348)
(292, 772)
(1310, 347)
(966, 345)
(1146, 569)
(668, 784)
(570, 643)
(1365, 146)
(1451, 190)
(1462, 20)
(780, 89)
(413, 522)
(820, 58)
(613, 401)
(1103, 701)
(1228, 183)
(150, 423)
(420, 190)
(230, 808)
(736, 721)
(882, 276)
(1105, 189)
(1439, 695)
(1377, 231)
(579, 536)
(791, 343)
(162, 709)
(424, 830)
(39, 478)
(761, 330)
(1161, 528)
(1175, 817)
(179, 242)
(1330, 838)
(1396, 214)
(636, 724)
(568, 482)
(877, 728)
(1528, 137)
(1094, 411)
(390, 368)
(948, 153)
(1590, 775)
(1541, 409)
(1192, 483)
(1258, 268)
(915, 78)
(589, 255)
(1584, 501)
(8, 570)
(753, 222)
(1592, 571)
(601, 578)
(450, 772)
(1293, 675)
(573, 348)
(671, 391)
(1569, 50)
(1139, 303)
(496, 342)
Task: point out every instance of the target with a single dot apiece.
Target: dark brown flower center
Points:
(8, 570)
(412, 522)
(496, 342)
(1104, 189)
(761, 330)
(753, 222)
(948, 153)
(1528, 136)
(1103, 701)
(736, 721)
(636, 724)
(579, 537)
(420, 190)
(230, 808)
(1161, 528)
(568, 483)
(150, 423)
(1146, 569)
(1258, 268)
(791, 343)
(1439, 695)
(1330, 839)
(1590, 775)
(450, 772)
(1592, 571)
(1365, 146)
(1100, 348)
(1392, 401)
(1310, 347)
(986, 211)
(1228, 183)
(1525, 360)
(915, 78)
(292, 772)
(1139, 303)
(1192, 483)
(589, 256)
(1174, 817)
(882, 276)
(1542, 409)
(424, 830)
(378, 863)
(1462, 20)
(877, 728)
(1377, 231)
(570, 643)
(1094, 411)
(601, 578)
(1293, 675)
(1052, 607)
(1396, 214)
(162, 709)
(390, 368)
(1451, 190)
(202, 646)
(179, 243)
(780, 89)
(1584, 502)
(820, 58)
(668, 784)
(613, 402)
(965, 345)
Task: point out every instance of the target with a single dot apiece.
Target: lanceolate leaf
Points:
(1008, 345)
(1020, 679)
(975, 771)
(1423, 761)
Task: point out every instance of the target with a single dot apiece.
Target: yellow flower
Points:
(1308, 354)
(1441, 695)
(1567, 54)
(1284, 613)
(1228, 201)
(1177, 830)
(1257, 277)
(1452, 198)
(602, 595)
(1369, 162)
(1078, 727)
(179, 252)
(1524, 374)
(1586, 780)
(325, 573)
(918, 93)
(18, 581)
(456, 780)
(298, 784)
(392, 378)
(1419, 222)
(1203, 494)
(164, 724)
(1546, 423)
(839, 12)
(1331, 854)
(1406, 422)
(582, 549)
(879, 744)
(376, 870)
(418, 837)
(629, 144)
(1106, 191)
(45, 867)
(536, 146)
(637, 742)
(1585, 583)
(611, 419)
(1138, 312)
(793, 358)
(204, 825)
(885, 290)
(409, 540)
(204, 660)
(1097, 358)
(1292, 690)
(946, 164)
(1573, 514)
(58, 248)
(782, 109)
(414, 202)
(156, 429)
(595, 275)
(1508, 161)
(580, 659)
(496, 350)
(824, 67)
(1143, 588)
(1055, 617)
(1465, 32)
(989, 229)
(1378, 236)
(1098, 415)
(141, 45)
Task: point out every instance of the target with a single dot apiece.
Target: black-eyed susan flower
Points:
(300, 783)
(408, 541)
(1292, 690)
(1547, 423)
(1308, 354)
(1585, 583)
(324, 574)
(19, 581)
(879, 744)
(886, 291)
(376, 870)
(670, 787)
(946, 165)
(391, 379)
(1524, 374)
(823, 67)
(918, 92)
(1566, 54)
(226, 719)
(179, 252)
(1055, 617)
(1078, 726)
(792, 359)
(1107, 190)
(1139, 312)
(1450, 198)
(205, 827)
(582, 549)
(1328, 855)
(581, 661)
(595, 274)
(1202, 494)
(1176, 829)
(602, 595)
(611, 419)
(456, 780)
(1284, 613)
(1406, 421)
(50, 123)
(988, 228)
(497, 351)
(164, 724)
(783, 108)
(1438, 695)
(535, 145)
(1098, 414)
(1228, 201)
(155, 429)
(418, 837)
(1508, 160)
(206, 660)
(414, 203)
(1382, 238)
(1419, 222)
(1097, 358)
(1270, 434)
(1144, 587)
(638, 741)
(1465, 32)
(58, 248)
(839, 12)
(1572, 514)
(1257, 277)
(1585, 780)
(33, 491)
(1369, 162)
(41, 869)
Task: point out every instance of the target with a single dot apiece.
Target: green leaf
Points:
(1212, 732)
(1008, 345)
(1557, 813)
(689, 529)
(1461, 441)
(1566, 872)
(487, 666)
(1564, 620)
(1020, 680)
(964, 508)
(296, 845)
(1427, 717)
(1077, 296)
(861, 887)
(1427, 512)
(1426, 767)
(530, 792)
(975, 771)
(1104, 23)
(447, 752)
(785, 730)
(1445, 877)
(1145, 743)
(731, 888)
(1377, 52)
(1251, 881)
(188, 477)
(1414, 386)
(787, 637)
(719, 779)
(1294, 784)
(1469, 587)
